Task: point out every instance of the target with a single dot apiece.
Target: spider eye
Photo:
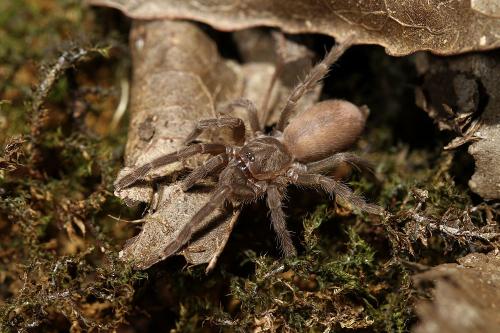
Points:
(250, 157)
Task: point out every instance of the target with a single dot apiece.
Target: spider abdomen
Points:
(325, 128)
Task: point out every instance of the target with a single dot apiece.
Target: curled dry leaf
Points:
(161, 227)
(178, 79)
(402, 27)
(466, 297)
(462, 94)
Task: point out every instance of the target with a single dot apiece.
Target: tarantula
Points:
(301, 151)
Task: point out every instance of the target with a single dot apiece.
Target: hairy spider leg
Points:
(200, 148)
(236, 124)
(329, 163)
(217, 199)
(312, 78)
(278, 69)
(274, 202)
(251, 109)
(332, 186)
(204, 170)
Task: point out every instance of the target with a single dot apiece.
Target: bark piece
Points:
(463, 94)
(402, 27)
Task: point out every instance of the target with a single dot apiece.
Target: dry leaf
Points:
(178, 78)
(466, 296)
(402, 27)
(161, 227)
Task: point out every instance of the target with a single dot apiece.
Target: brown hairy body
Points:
(326, 128)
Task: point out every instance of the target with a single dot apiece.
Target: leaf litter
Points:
(352, 274)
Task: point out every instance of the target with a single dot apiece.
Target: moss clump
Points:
(77, 292)
(58, 248)
(329, 287)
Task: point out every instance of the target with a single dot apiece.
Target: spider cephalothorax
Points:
(301, 151)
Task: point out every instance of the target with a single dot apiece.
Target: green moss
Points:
(55, 180)
(319, 290)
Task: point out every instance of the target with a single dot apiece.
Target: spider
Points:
(300, 151)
